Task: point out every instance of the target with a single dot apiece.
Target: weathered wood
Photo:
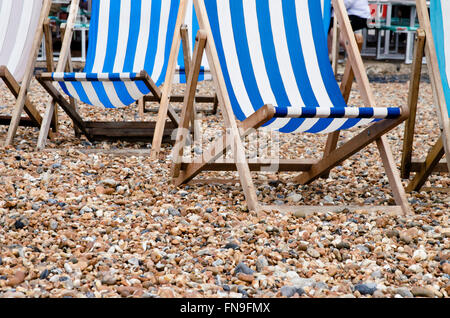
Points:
(354, 57)
(258, 165)
(50, 64)
(436, 153)
(305, 211)
(166, 91)
(64, 59)
(346, 88)
(419, 164)
(413, 97)
(24, 121)
(188, 110)
(393, 175)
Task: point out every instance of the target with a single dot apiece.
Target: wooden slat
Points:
(305, 211)
(413, 97)
(24, 121)
(418, 165)
(258, 165)
(393, 175)
(436, 153)
(167, 88)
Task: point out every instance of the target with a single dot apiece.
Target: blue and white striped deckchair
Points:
(21, 32)
(274, 52)
(436, 25)
(133, 46)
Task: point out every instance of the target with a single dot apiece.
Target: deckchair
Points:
(133, 47)
(269, 62)
(188, 31)
(434, 34)
(21, 32)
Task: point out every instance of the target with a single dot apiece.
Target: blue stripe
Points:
(211, 8)
(113, 31)
(93, 35)
(154, 28)
(437, 26)
(320, 43)
(326, 15)
(269, 53)
(133, 35)
(81, 92)
(245, 62)
(169, 39)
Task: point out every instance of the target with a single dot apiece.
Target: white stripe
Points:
(133, 90)
(162, 37)
(124, 28)
(112, 94)
(102, 38)
(231, 58)
(72, 90)
(335, 125)
(257, 58)
(307, 124)
(91, 93)
(144, 30)
(445, 6)
(5, 14)
(21, 38)
(282, 52)
(310, 55)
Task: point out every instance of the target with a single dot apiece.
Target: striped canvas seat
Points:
(193, 27)
(440, 24)
(274, 52)
(126, 37)
(326, 14)
(18, 23)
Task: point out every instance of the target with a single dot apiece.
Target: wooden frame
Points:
(157, 132)
(20, 91)
(425, 47)
(184, 171)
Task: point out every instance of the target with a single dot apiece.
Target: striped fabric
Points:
(440, 25)
(125, 37)
(326, 14)
(18, 23)
(273, 52)
(193, 27)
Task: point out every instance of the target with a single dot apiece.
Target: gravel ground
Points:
(96, 225)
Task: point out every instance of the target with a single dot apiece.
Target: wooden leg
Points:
(393, 175)
(215, 105)
(45, 126)
(346, 87)
(188, 113)
(413, 97)
(436, 153)
(141, 107)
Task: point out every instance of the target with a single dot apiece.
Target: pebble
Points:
(261, 263)
(404, 292)
(290, 291)
(105, 214)
(422, 292)
(242, 268)
(365, 289)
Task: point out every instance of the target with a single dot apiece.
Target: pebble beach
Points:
(83, 220)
